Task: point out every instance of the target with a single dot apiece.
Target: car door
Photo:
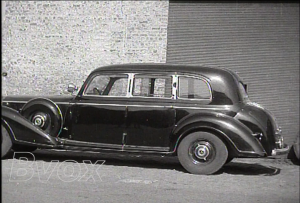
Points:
(150, 115)
(99, 113)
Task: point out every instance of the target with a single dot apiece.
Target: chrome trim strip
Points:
(105, 96)
(37, 144)
(186, 107)
(69, 148)
(154, 106)
(147, 148)
(35, 98)
(15, 101)
(126, 97)
(93, 104)
(63, 102)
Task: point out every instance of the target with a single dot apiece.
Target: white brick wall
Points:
(46, 45)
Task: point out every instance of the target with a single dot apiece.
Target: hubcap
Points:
(39, 120)
(201, 152)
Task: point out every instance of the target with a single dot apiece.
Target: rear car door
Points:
(150, 113)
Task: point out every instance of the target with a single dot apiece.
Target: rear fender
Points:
(233, 132)
(24, 132)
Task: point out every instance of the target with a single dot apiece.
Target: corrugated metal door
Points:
(259, 41)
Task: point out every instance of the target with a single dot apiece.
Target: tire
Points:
(296, 147)
(294, 153)
(6, 142)
(202, 153)
(45, 114)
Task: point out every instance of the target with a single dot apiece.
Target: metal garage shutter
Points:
(258, 41)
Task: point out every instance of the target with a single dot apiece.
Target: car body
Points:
(294, 153)
(296, 148)
(201, 114)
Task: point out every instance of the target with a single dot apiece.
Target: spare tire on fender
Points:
(45, 114)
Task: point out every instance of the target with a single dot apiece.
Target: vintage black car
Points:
(202, 115)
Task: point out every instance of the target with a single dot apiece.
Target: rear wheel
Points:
(6, 142)
(294, 153)
(296, 147)
(202, 153)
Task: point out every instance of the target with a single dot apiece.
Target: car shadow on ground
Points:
(240, 168)
(166, 163)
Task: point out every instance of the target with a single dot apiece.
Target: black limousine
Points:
(203, 115)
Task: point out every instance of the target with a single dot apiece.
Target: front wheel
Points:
(202, 153)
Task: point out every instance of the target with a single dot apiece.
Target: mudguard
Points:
(229, 129)
(24, 132)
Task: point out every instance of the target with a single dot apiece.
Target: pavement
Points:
(47, 176)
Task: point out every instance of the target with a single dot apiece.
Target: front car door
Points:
(98, 115)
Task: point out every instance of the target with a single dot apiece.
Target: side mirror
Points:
(72, 88)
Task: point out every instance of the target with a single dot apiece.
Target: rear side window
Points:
(193, 88)
(108, 85)
(152, 86)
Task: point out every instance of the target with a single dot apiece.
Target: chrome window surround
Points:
(175, 87)
(91, 95)
(194, 77)
(151, 97)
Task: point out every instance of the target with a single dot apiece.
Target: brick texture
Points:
(46, 45)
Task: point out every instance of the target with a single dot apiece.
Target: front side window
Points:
(108, 85)
(193, 88)
(152, 86)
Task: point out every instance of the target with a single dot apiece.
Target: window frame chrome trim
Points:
(107, 96)
(195, 77)
(143, 97)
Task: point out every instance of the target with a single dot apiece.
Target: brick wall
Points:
(46, 45)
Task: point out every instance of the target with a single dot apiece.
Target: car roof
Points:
(218, 77)
(164, 67)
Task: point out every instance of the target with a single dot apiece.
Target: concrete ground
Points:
(83, 177)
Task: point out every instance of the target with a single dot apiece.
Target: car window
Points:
(108, 85)
(152, 86)
(193, 88)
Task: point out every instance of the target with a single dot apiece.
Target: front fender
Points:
(236, 134)
(24, 132)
